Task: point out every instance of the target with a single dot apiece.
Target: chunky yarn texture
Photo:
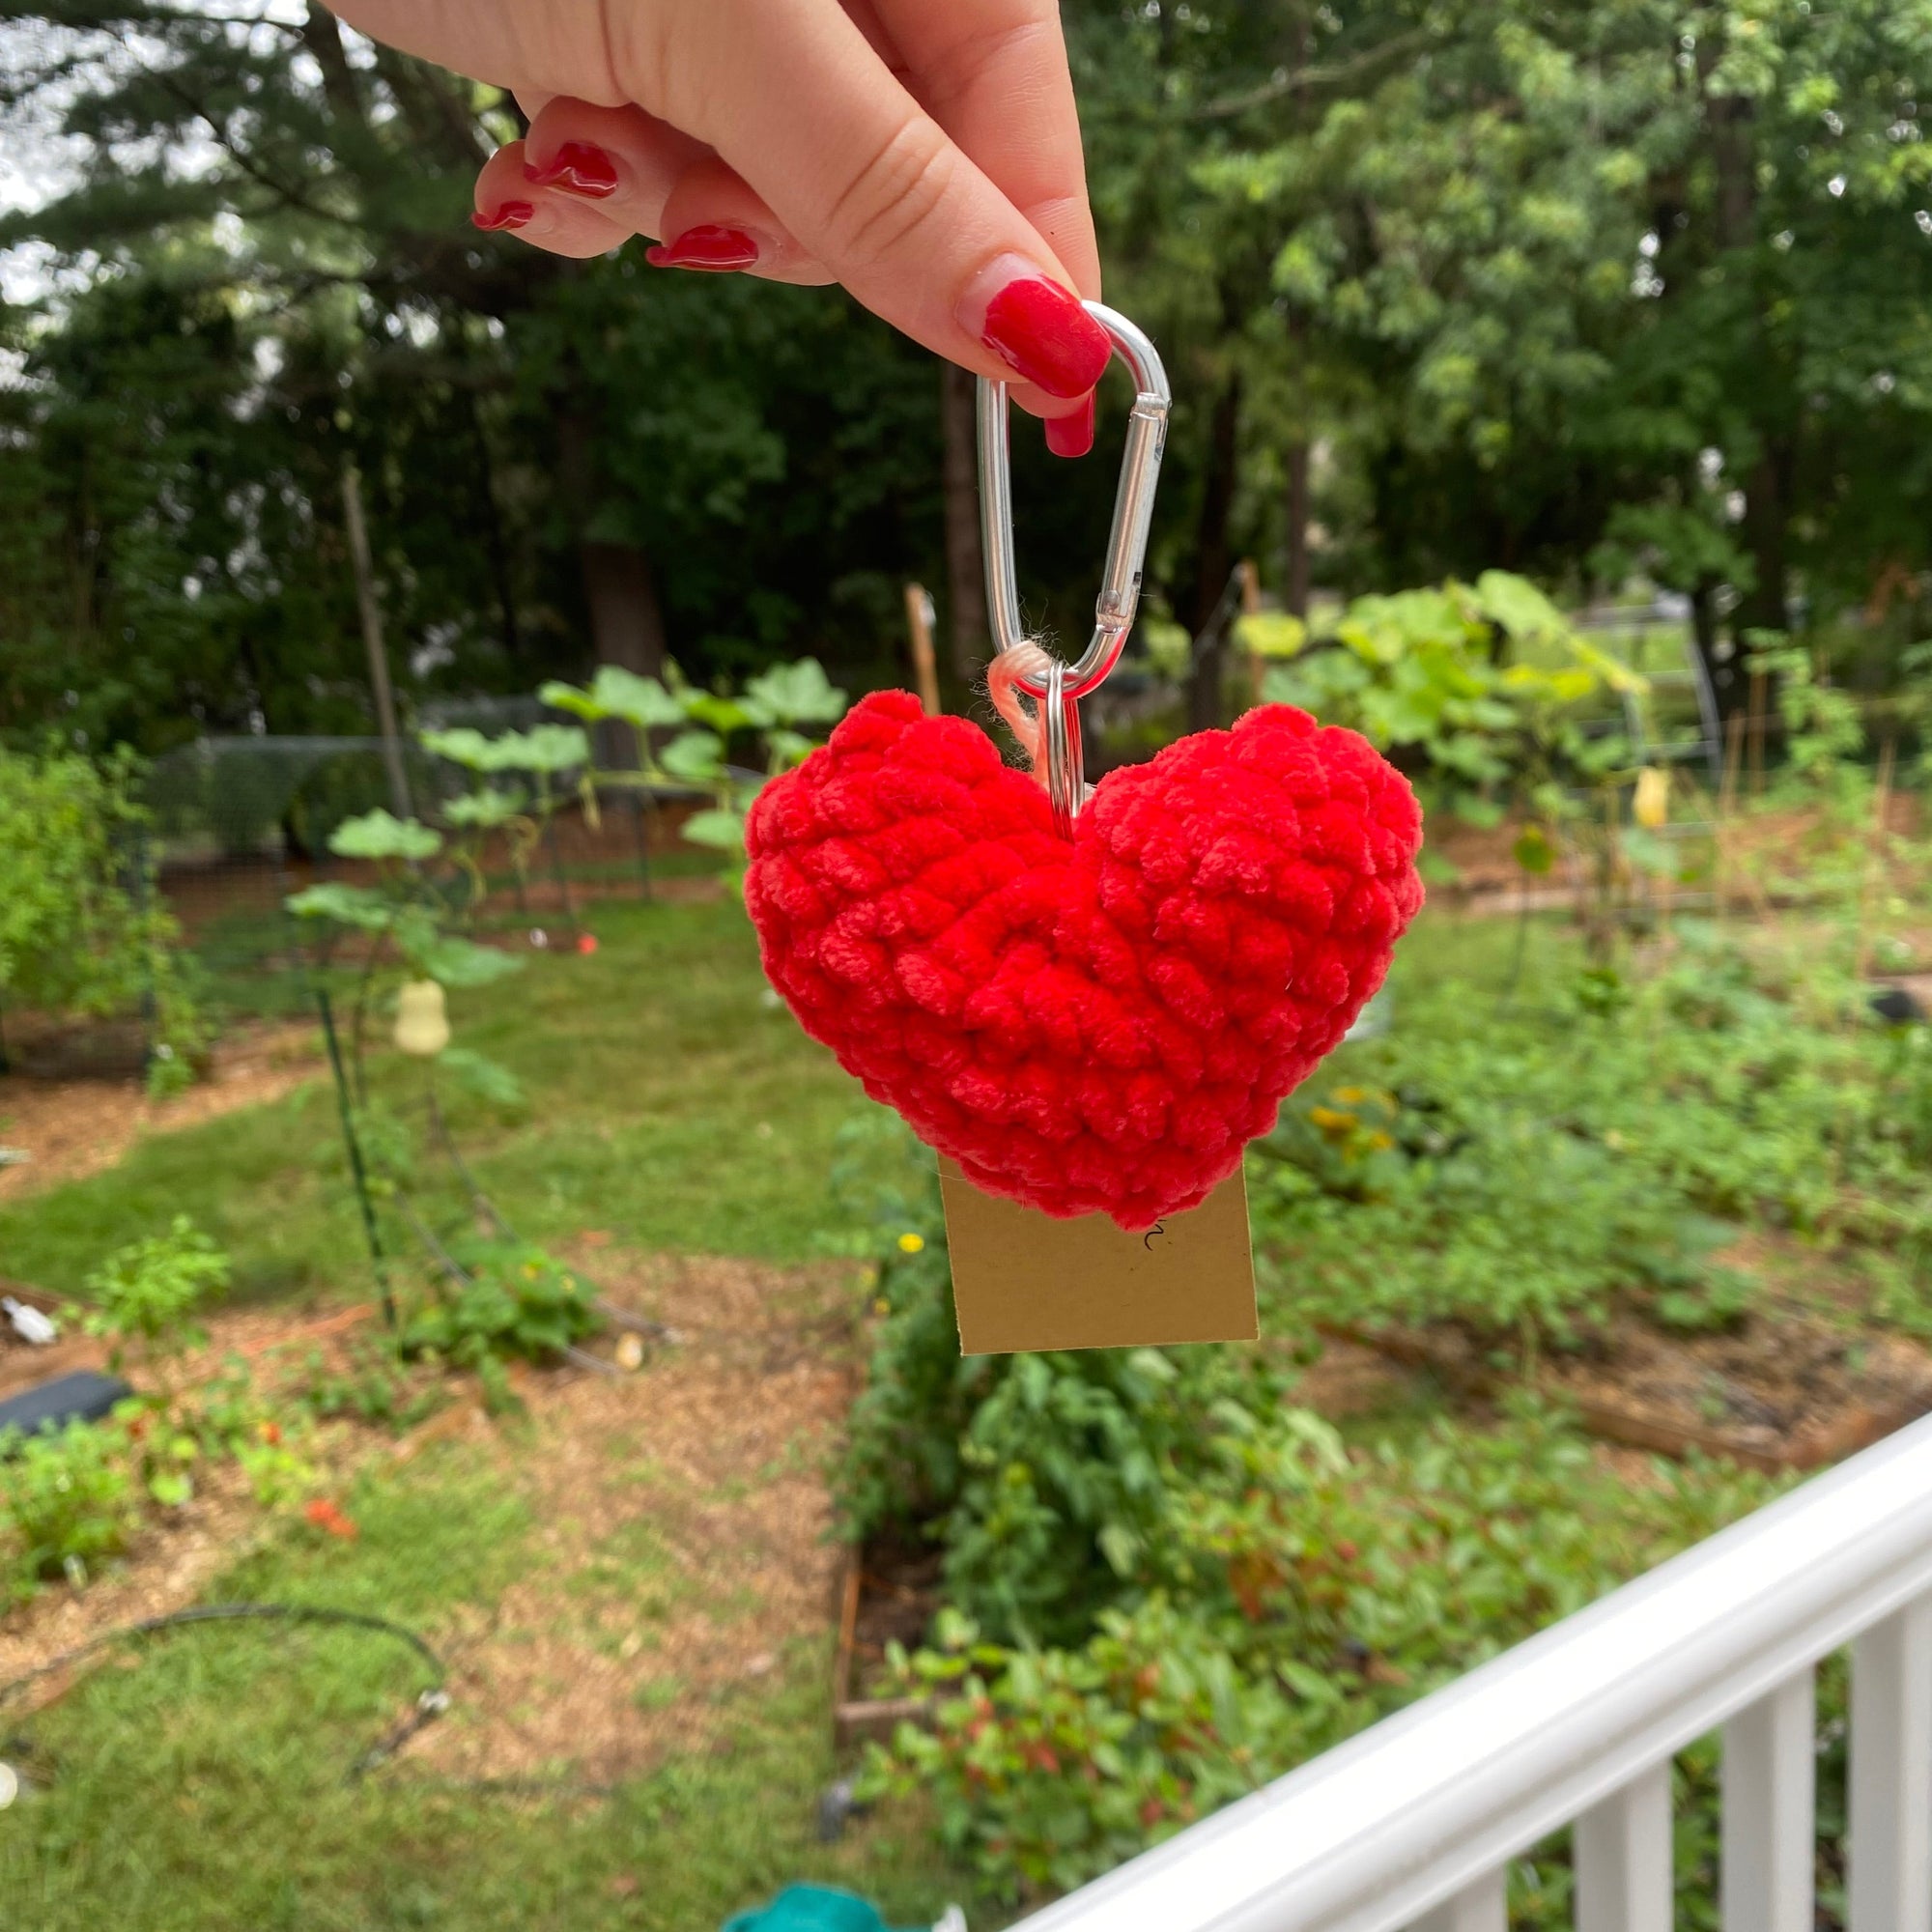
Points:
(1100, 1023)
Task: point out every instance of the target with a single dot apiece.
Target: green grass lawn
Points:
(205, 1788)
(670, 1102)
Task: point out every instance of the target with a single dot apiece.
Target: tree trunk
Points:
(1764, 608)
(1294, 582)
(626, 619)
(1214, 559)
(496, 537)
(1730, 125)
(966, 623)
(620, 588)
(323, 39)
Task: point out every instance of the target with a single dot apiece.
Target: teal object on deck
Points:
(811, 1908)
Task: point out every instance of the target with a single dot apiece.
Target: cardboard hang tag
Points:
(1023, 1281)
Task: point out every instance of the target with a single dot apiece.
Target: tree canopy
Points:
(1582, 291)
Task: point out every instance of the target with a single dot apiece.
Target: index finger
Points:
(993, 73)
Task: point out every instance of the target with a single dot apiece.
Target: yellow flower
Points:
(1349, 1097)
(1329, 1120)
(911, 1244)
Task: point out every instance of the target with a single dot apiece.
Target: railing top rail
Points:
(1400, 1819)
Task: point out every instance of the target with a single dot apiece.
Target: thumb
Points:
(800, 104)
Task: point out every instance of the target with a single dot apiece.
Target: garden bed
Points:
(681, 1523)
(1793, 1384)
(75, 1106)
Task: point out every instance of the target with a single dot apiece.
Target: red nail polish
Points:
(706, 246)
(1072, 435)
(577, 167)
(1041, 332)
(511, 214)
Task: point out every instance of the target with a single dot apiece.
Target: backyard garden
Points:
(549, 1489)
(484, 1435)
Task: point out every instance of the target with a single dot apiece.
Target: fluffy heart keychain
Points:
(1088, 1005)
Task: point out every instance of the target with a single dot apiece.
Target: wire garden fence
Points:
(239, 824)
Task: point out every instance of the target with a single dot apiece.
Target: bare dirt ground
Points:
(72, 1129)
(686, 1527)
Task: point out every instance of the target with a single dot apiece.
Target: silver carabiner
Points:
(1058, 694)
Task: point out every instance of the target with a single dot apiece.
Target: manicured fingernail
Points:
(1035, 326)
(577, 167)
(1072, 435)
(511, 214)
(706, 246)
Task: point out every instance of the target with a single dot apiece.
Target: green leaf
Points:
(794, 693)
(787, 746)
(487, 1079)
(1533, 851)
(617, 692)
(349, 905)
(490, 807)
(570, 697)
(461, 746)
(698, 755)
(378, 834)
(1271, 634)
(545, 748)
(1516, 605)
(723, 715)
(723, 830)
(460, 962)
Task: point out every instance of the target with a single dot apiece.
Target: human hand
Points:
(923, 153)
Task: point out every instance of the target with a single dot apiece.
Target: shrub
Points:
(148, 1292)
(82, 927)
(518, 1302)
(67, 1499)
(1299, 1594)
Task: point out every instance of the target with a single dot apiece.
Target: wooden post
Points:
(1759, 695)
(920, 615)
(371, 611)
(1251, 604)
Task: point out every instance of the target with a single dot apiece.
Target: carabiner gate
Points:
(1114, 608)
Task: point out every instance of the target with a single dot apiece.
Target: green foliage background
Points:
(1637, 284)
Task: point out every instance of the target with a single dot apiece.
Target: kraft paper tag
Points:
(1023, 1281)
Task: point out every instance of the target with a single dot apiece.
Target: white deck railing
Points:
(1413, 1824)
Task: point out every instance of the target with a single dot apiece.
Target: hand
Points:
(923, 153)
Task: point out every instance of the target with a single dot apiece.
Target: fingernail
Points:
(1035, 326)
(577, 167)
(706, 246)
(1072, 435)
(511, 214)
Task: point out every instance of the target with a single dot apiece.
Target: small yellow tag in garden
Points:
(1023, 1281)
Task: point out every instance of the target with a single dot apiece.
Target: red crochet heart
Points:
(1095, 1023)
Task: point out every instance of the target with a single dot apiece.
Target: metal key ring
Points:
(1133, 510)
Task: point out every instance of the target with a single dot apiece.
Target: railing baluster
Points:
(1623, 1859)
(1771, 1845)
(1890, 1827)
(1482, 1908)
